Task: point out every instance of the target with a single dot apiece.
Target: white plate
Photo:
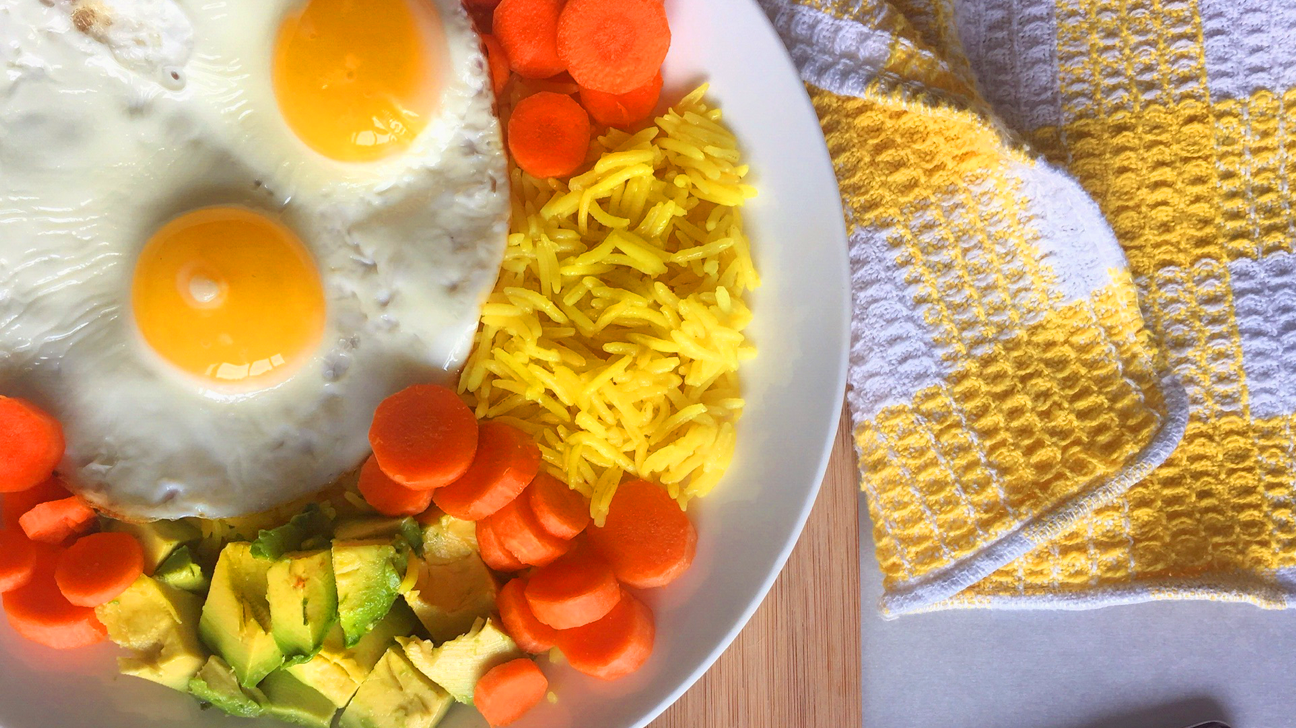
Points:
(748, 526)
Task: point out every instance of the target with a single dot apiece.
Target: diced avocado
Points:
(159, 538)
(292, 701)
(182, 572)
(375, 529)
(217, 684)
(311, 523)
(303, 602)
(396, 695)
(159, 625)
(446, 538)
(449, 598)
(337, 672)
(458, 664)
(236, 618)
(369, 575)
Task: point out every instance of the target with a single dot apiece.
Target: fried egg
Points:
(229, 228)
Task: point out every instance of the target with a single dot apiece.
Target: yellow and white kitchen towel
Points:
(1073, 374)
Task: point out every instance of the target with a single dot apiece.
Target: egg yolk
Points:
(358, 79)
(228, 294)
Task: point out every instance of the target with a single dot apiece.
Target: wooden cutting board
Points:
(797, 664)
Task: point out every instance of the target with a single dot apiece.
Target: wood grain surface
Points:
(797, 663)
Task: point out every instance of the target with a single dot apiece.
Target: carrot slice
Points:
(493, 551)
(646, 537)
(573, 591)
(507, 459)
(17, 504)
(560, 510)
(31, 445)
(424, 436)
(549, 134)
(17, 561)
(523, 535)
(613, 46)
(40, 612)
(520, 622)
(497, 59)
(98, 568)
(389, 497)
(507, 692)
(623, 110)
(614, 646)
(57, 521)
(528, 30)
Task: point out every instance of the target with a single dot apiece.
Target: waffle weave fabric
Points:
(1073, 371)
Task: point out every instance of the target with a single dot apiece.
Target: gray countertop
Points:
(1155, 665)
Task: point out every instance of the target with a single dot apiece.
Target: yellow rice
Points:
(615, 332)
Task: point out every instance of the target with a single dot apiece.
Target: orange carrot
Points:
(528, 30)
(98, 568)
(613, 46)
(508, 691)
(614, 646)
(573, 591)
(520, 622)
(623, 110)
(17, 561)
(40, 612)
(31, 445)
(549, 134)
(17, 504)
(424, 436)
(389, 497)
(498, 60)
(57, 521)
(492, 549)
(507, 459)
(560, 510)
(646, 537)
(523, 535)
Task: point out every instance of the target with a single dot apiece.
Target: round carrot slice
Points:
(622, 110)
(424, 436)
(507, 692)
(98, 568)
(523, 535)
(573, 591)
(520, 622)
(55, 522)
(614, 646)
(646, 538)
(17, 561)
(507, 459)
(562, 511)
(528, 30)
(497, 59)
(389, 497)
(16, 505)
(40, 612)
(31, 445)
(493, 551)
(549, 134)
(613, 46)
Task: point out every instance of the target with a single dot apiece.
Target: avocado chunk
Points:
(458, 664)
(369, 575)
(236, 621)
(396, 695)
(217, 684)
(308, 526)
(381, 529)
(446, 539)
(159, 625)
(159, 538)
(303, 602)
(449, 597)
(336, 672)
(292, 701)
(182, 572)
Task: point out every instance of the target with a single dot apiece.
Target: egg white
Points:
(111, 131)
